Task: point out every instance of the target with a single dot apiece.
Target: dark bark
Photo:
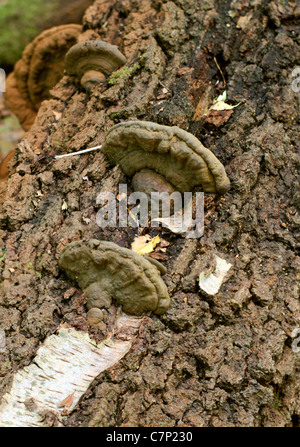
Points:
(223, 360)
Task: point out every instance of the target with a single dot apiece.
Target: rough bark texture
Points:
(223, 360)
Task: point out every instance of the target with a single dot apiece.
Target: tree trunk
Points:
(223, 359)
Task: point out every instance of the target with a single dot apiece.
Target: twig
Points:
(216, 62)
(79, 152)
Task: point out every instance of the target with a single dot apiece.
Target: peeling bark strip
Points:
(211, 283)
(62, 371)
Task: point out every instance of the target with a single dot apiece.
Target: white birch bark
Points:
(65, 365)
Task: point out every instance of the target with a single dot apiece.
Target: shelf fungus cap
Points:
(109, 272)
(38, 71)
(22, 108)
(91, 60)
(177, 155)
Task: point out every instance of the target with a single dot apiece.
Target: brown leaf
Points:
(203, 104)
(67, 402)
(164, 243)
(163, 249)
(159, 256)
(218, 117)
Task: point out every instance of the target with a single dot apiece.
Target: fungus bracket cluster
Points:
(171, 152)
(92, 60)
(108, 272)
(32, 79)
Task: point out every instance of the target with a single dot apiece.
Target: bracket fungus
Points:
(91, 60)
(3, 164)
(106, 271)
(38, 71)
(165, 156)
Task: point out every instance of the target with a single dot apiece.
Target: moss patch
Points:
(123, 73)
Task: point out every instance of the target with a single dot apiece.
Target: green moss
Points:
(20, 22)
(121, 114)
(123, 73)
(30, 267)
(2, 255)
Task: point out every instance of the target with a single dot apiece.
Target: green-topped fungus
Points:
(108, 272)
(91, 60)
(38, 71)
(164, 158)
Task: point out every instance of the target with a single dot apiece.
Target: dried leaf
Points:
(67, 402)
(140, 242)
(158, 256)
(164, 243)
(163, 249)
(221, 105)
(203, 104)
(143, 245)
(218, 117)
(222, 97)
